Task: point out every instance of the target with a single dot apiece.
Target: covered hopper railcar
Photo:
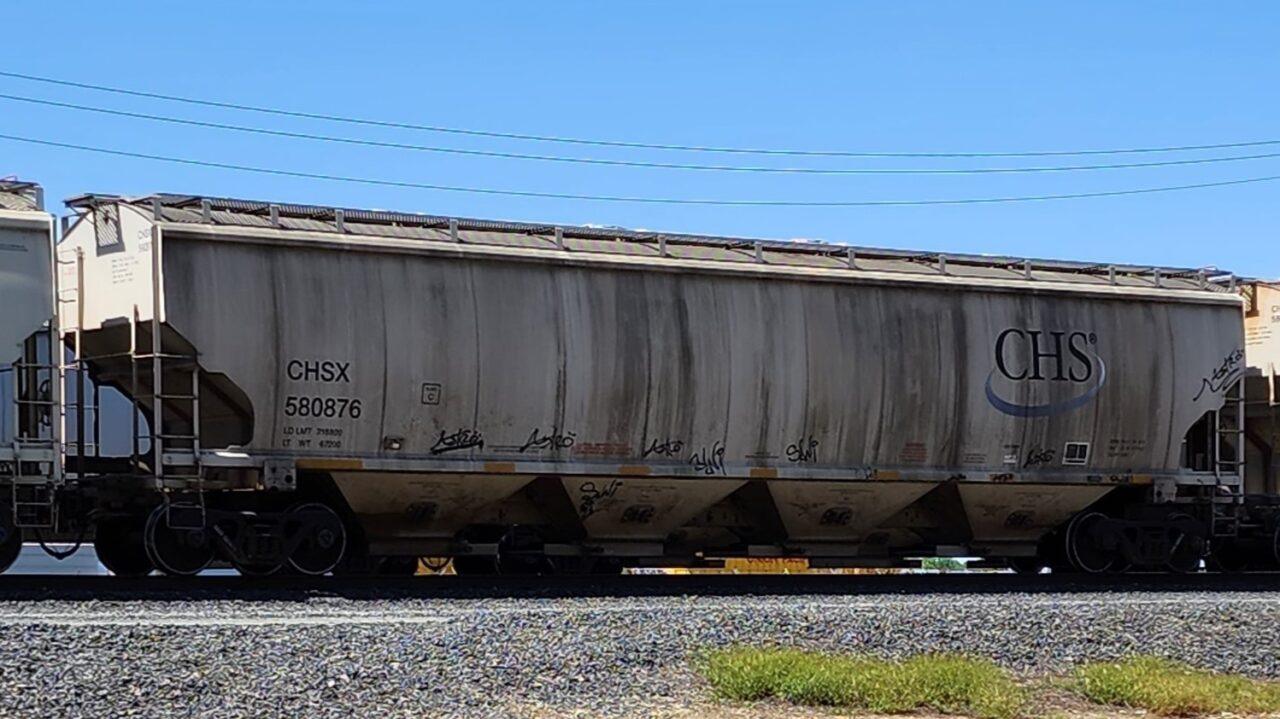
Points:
(343, 390)
(30, 423)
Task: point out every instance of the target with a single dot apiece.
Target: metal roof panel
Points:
(233, 212)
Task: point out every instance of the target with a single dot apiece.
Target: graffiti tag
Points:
(1226, 372)
(803, 451)
(553, 440)
(590, 495)
(464, 438)
(665, 448)
(1037, 457)
(709, 461)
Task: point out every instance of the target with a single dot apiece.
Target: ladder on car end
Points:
(168, 385)
(35, 472)
(46, 409)
(40, 381)
(80, 398)
(1229, 458)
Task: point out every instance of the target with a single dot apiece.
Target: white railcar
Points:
(30, 417)
(316, 387)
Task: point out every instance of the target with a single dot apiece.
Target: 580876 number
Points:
(326, 407)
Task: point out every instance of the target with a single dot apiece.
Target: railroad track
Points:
(18, 587)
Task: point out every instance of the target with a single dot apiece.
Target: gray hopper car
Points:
(345, 390)
(30, 460)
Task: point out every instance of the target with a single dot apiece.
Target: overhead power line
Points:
(625, 163)
(615, 143)
(629, 199)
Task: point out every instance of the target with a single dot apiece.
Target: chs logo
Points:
(1051, 358)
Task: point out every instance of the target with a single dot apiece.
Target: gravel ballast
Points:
(326, 656)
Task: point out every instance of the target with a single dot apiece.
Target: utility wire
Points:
(630, 199)
(613, 143)
(625, 163)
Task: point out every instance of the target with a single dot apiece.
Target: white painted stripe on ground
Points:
(107, 620)
(450, 613)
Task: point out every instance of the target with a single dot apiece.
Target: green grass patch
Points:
(942, 564)
(1170, 688)
(943, 683)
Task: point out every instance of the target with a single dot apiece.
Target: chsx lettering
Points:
(329, 371)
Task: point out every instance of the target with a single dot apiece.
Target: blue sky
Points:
(910, 77)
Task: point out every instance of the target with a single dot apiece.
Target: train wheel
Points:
(121, 547)
(1275, 543)
(323, 540)
(1185, 548)
(1089, 545)
(174, 551)
(1228, 556)
(10, 538)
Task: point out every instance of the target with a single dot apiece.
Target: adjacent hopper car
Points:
(319, 390)
(30, 460)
